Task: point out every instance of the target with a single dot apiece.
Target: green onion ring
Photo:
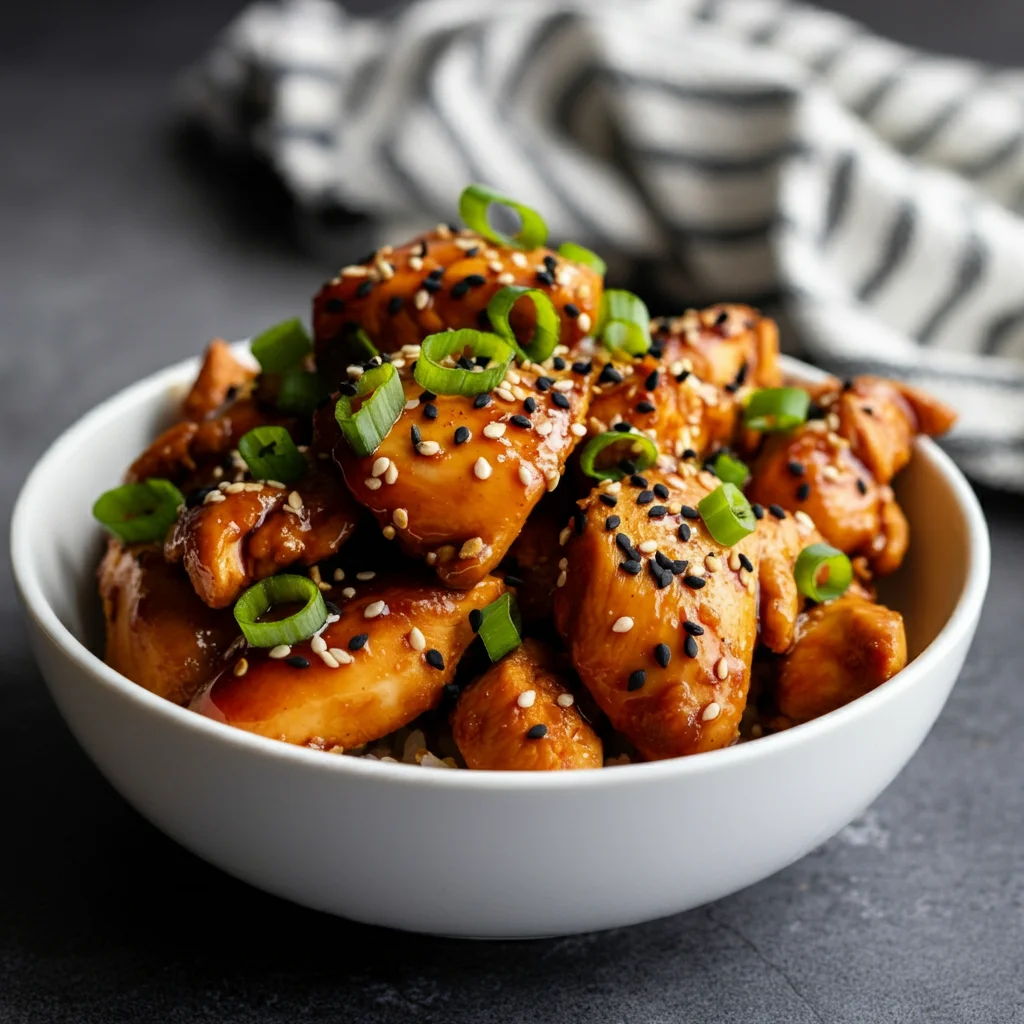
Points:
(279, 347)
(624, 322)
(366, 428)
(499, 627)
(808, 568)
(270, 454)
(580, 254)
(476, 200)
(454, 380)
(727, 514)
(729, 469)
(772, 409)
(139, 513)
(275, 590)
(645, 458)
(301, 392)
(545, 334)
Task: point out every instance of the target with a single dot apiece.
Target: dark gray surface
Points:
(122, 253)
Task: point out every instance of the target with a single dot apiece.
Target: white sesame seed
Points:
(254, 486)
(648, 547)
(505, 394)
(562, 577)
(380, 466)
(372, 483)
(519, 260)
(412, 403)
(339, 575)
(712, 563)
(276, 484)
(512, 377)
(584, 322)
(563, 385)
(295, 500)
(552, 479)
(280, 651)
(526, 698)
(722, 668)
(385, 269)
(471, 548)
(578, 430)
(241, 667)
(544, 428)
(400, 517)
(564, 536)
(431, 557)
(416, 263)
(506, 278)
(565, 700)
(363, 577)
(341, 656)
(495, 266)
(734, 560)
(802, 517)
(318, 644)
(524, 474)
(328, 659)
(615, 487)
(622, 625)
(355, 372)
(466, 243)
(421, 298)
(830, 473)
(354, 271)
(494, 430)
(416, 639)
(234, 488)
(391, 475)
(563, 563)
(428, 447)
(443, 231)
(374, 609)
(481, 468)
(711, 712)
(348, 592)
(213, 498)
(314, 573)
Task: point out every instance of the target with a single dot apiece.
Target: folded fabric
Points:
(759, 150)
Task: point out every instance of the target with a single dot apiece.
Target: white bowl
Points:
(485, 854)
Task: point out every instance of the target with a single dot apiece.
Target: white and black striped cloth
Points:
(870, 195)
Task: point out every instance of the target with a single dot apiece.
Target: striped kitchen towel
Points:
(870, 195)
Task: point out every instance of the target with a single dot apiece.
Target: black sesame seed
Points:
(778, 511)
(608, 499)
(662, 577)
(550, 262)
(815, 412)
(545, 277)
(530, 405)
(582, 368)
(579, 519)
(796, 468)
(558, 363)
(645, 407)
(464, 362)
(332, 607)
(434, 658)
(721, 318)
(475, 280)
(637, 480)
(364, 289)
(560, 400)
(680, 377)
(196, 497)
(663, 560)
(572, 310)
(631, 566)
(427, 396)
(481, 400)
(436, 274)
(847, 384)
(693, 628)
(868, 410)
(636, 680)
(625, 544)
(459, 289)
(461, 435)
(472, 251)
(746, 562)
(655, 351)
(627, 466)
(803, 492)
(395, 304)
(612, 522)
(431, 284)
(758, 510)
(297, 661)
(414, 433)
(861, 486)
(689, 512)
(623, 427)
(679, 566)
(688, 453)
(519, 420)
(537, 732)
(663, 655)
(652, 380)
(543, 383)
(430, 411)
(482, 360)
(684, 531)
(690, 647)
(451, 691)
(476, 617)
(334, 305)
(645, 498)
(657, 512)
(661, 491)
(358, 642)
(694, 582)
(609, 375)
(348, 389)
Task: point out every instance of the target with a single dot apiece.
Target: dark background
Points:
(124, 250)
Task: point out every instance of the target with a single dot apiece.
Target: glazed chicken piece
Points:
(844, 649)
(444, 280)
(454, 482)
(727, 345)
(383, 661)
(242, 532)
(159, 634)
(661, 629)
(520, 715)
(532, 566)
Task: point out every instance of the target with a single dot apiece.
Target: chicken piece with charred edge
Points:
(159, 634)
(520, 715)
(384, 660)
(660, 620)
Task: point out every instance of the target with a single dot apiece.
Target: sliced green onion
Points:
(139, 513)
(729, 470)
(580, 254)
(727, 514)
(623, 322)
(808, 572)
(301, 392)
(545, 334)
(383, 401)
(476, 200)
(643, 453)
(279, 347)
(270, 454)
(454, 380)
(277, 590)
(771, 409)
(499, 627)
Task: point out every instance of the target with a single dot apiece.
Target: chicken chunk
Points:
(159, 634)
(221, 378)
(843, 649)
(253, 530)
(660, 620)
(444, 280)
(384, 661)
(521, 716)
(532, 566)
(455, 482)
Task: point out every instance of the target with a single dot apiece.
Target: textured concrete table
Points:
(121, 254)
